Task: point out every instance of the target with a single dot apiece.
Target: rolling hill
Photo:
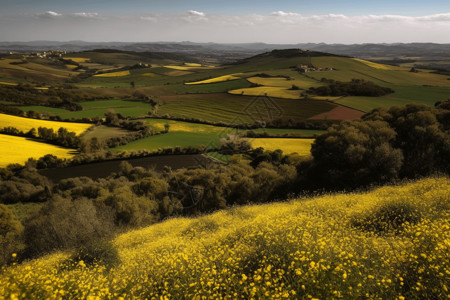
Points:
(392, 242)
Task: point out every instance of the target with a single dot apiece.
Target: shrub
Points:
(10, 235)
(95, 253)
(63, 223)
(390, 217)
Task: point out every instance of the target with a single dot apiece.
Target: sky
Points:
(230, 21)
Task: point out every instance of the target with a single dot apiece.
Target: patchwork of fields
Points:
(262, 88)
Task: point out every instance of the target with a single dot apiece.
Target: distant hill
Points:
(232, 52)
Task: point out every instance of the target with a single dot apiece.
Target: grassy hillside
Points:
(94, 109)
(391, 243)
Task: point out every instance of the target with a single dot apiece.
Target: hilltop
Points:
(392, 242)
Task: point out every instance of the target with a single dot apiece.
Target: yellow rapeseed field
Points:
(192, 65)
(114, 74)
(15, 149)
(376, 65)
(149, 74)
(271, 91)
(189, 67)
(78, 59)
(300, 146)
(25, 124)
(71, 66)
(180, 126)
(7, 83)
(302, 249)
(215, 80)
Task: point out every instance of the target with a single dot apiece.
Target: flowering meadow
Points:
(390, 243)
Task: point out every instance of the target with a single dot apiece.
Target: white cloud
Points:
(277, 27)
(284, 14)
(49, 14)
(85, 15)
(196, 13)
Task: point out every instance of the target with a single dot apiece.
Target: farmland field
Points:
(105, 168)
(114, 74)
(171, 140)
(270, 91)
(104, 132)
(237, 109)
(17, 150)
(300, 146)
(93, 109)
(25, 124)
(189, 66)
(214, 80)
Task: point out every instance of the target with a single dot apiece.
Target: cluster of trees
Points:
(54, 97)
(356, 87)
(62, 137)
(387, 144)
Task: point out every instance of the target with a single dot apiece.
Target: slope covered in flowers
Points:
(391, 243)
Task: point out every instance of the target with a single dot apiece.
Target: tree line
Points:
(356, 87)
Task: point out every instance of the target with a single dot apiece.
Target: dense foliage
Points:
(386, 144)
(356, 87)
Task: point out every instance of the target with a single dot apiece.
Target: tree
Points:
(356, 153)
(63, 223)
(421, 134)
(166, 127)
(132, 84)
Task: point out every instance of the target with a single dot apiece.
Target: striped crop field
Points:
(271, 91)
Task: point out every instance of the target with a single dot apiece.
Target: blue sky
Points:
(279, 21)
(242, 7)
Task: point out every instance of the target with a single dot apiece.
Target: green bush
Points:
(10, 235)
(63, 223)
(95, 253)
(390, 217)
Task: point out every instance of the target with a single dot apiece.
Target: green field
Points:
(96, 109)
(240, 109)
(104, 132)
(402, 96)
(171, 140)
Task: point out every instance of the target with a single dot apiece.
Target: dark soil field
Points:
(105, 168)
